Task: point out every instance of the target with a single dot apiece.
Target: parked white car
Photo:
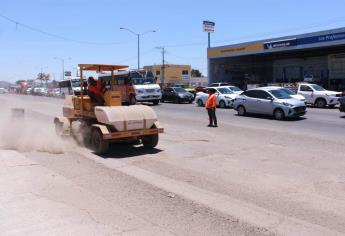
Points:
(318, 96)
(225, 97)
(3, 90)
(235, 89)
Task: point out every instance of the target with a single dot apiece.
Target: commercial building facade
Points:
(171, 74)
(315, 57)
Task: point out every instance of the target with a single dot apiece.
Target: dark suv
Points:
(177, 95)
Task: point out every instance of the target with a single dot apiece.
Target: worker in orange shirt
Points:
(95, 90)
(211, 104)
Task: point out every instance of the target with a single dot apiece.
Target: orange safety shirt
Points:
(211, 101)
(96, 89)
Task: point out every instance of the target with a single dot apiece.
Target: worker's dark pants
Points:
(212, 116)
(96, 98)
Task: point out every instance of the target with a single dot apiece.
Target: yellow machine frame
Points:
(94, 67)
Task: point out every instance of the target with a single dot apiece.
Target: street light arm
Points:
(149, 31)
(138, 38)
(131, 31)
(62, 59)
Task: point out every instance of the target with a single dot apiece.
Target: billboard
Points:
(208, 26)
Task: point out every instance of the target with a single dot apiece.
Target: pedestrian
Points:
(211, 104)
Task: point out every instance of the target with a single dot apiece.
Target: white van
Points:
(71, 87)
(149, 90)
(145, 88)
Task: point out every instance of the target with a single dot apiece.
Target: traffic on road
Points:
(280, 101)
(165, 118)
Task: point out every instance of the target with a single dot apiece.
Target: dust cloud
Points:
(31, 132)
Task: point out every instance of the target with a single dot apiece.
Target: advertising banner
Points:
(280, 44)
(322, 38)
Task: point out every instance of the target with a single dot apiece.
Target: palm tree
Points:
(43, 77)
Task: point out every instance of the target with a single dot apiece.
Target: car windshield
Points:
(75, 83)
(288, 91)
(138, 81)
(280, 93)
(180, 90)
(149, 80)
(317, 87)
(234, 88)
(224, 91)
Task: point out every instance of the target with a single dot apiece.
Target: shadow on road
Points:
(267, 117)
(128, 150)
(342, 117)
(181, 103)
(325, 108)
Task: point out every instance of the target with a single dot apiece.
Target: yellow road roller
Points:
(100, 125)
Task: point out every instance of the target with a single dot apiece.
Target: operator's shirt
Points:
(96, 89)
(211, 101)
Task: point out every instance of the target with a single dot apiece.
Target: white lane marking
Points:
(246, 212)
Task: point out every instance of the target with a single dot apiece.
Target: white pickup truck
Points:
(317, 95)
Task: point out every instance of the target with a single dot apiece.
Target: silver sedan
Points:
(269, 101)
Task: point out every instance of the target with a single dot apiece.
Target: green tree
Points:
(196, 73)
(43, 77)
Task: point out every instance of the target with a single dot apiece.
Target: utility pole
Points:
(63, 65)
(163, 51)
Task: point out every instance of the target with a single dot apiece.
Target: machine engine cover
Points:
(125, 118)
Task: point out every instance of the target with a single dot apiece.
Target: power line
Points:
(305, 27)
(187, 58)
(17, 23)
(134, 57)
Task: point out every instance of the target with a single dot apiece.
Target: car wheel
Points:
(279, 114)
(222, 104)
(98, 144)
(241, 111)
(155, 102)
(320, 103)
(200, 103)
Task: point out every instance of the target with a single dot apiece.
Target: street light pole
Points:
(138, 38)
(138, 52)
(63, 65)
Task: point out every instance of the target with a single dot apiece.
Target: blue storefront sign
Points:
(280, 43)
(321, 38)
(303, 41)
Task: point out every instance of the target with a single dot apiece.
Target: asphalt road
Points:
(250, 176)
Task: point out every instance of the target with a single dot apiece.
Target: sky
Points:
(83, 31)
